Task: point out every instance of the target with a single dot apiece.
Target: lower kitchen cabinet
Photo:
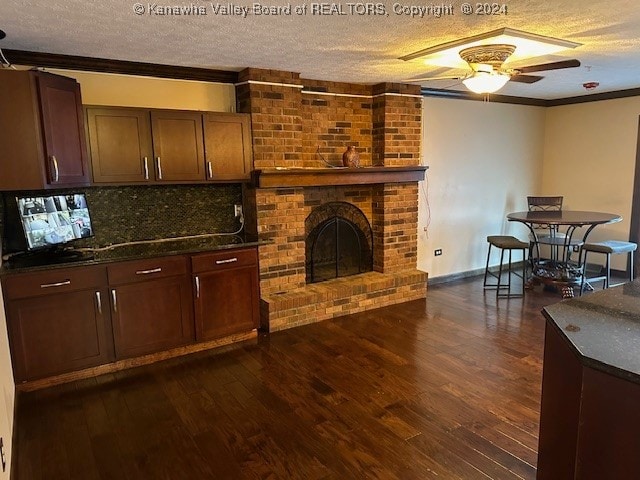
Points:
(151, 305)
(67, 319)
(226, 293)
(58, 321)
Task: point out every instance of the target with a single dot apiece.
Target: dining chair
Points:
(508, 243)
(548, 204)
(549, 234)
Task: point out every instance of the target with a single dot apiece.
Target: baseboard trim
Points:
(468, 274)
(454, 276)
(219, 345)
(515, 265)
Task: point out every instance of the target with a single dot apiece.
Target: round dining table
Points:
(560, 271)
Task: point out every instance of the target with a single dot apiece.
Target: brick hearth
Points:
(291, 118)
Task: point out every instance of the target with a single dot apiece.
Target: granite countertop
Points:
(139, 251)
(604, 328)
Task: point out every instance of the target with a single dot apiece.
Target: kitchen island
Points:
(590, 412)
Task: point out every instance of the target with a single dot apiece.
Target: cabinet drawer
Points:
(141, 270)
(60, 280)
(207, 262)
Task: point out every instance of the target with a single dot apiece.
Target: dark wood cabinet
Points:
(226, 293)
(589, 416)
(227, 139)
(178, 145)
(41, 131)
(132, 145)
(137, 145)
(68, 319)
(151, 305)
(120, 145)
(58, 321)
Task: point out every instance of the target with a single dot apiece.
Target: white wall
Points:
(484, 159)
(589, 157)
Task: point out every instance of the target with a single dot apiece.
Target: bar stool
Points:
(505, 242)
(607, 248)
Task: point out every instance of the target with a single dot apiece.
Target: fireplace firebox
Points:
(339, 242)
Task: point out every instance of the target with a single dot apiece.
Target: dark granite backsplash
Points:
(142, 212)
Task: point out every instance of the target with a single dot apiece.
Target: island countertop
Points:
(603, 328)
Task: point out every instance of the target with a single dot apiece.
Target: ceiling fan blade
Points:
(549, 66)
(526, 78)
(429, 79)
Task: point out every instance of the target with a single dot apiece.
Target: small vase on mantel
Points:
(351, 157)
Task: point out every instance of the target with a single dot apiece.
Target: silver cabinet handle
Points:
(197, 287)
(57, 284)
(159, 164)
(56, 172)
(147, 272)
(209, 170)
(228, 260)
(99, 302)
(115, 300)
(146, 168)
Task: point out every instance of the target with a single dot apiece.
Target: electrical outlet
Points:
(237, 210)
(437, 252)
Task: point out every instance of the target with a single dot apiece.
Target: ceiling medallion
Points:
(493, 55)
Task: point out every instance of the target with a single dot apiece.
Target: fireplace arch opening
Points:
(338, 241)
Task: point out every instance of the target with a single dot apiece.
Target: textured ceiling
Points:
(350, 47)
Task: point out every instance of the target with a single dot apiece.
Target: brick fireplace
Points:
(298, 125)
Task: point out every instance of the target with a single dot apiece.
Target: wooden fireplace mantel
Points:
(312, 177)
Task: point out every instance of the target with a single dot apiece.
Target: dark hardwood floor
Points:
(443, 388)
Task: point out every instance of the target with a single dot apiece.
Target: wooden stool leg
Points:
(608, 279)
(631, 266)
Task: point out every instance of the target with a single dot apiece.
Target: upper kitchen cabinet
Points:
(177, 145)
(131, 145)
(227, 140)
(41, 131)
(137, 145)
(120, 145)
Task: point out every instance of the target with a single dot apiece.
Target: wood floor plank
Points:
(447, 388)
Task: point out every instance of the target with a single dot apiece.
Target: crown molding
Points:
(595, 97)
(105, 65)
(494, 98)
(538, 102)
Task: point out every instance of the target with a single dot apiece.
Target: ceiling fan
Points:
(488, 74)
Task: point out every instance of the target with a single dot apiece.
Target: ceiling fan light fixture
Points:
(527, 45)
(485, 82)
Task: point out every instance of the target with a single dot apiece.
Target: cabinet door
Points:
(152, 315)
(226, 293)
(58, 333)
(177, 145)
(63, 130)
(227, 140)
(120, 145)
